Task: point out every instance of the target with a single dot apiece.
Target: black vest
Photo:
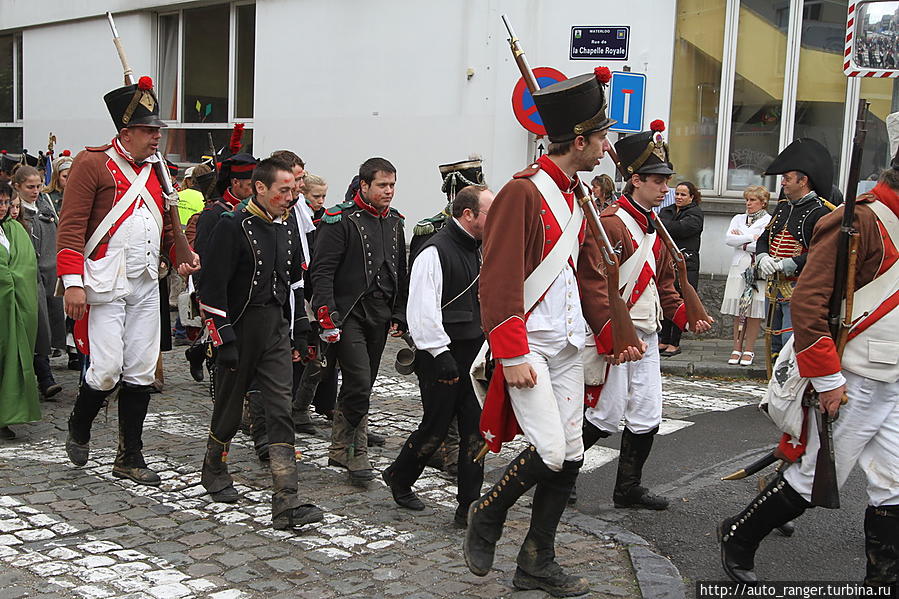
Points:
(460, 261)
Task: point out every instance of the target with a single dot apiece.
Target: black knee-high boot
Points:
(635, 449)
(87, 405)
(591, 435)
(129, 462)
(740, 535)
(487, 515)
(287, 511)
(882, 546)
(537, 566)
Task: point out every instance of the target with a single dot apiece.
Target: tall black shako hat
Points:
(810, 158)
(645, 153)
(457, 175)
(134, 105)
(238, 166)
(575, 106)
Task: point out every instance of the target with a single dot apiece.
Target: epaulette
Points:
(830, 206)
(397, 213)
(335, 213)
(426, 226)
(102, 148)
(530, 171)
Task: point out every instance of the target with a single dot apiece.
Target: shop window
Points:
(756, 113)
(698, 46)
(883, 94)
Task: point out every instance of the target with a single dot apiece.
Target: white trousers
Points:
(867, 433)
(551, 413)
(124, 337)
(632, 392)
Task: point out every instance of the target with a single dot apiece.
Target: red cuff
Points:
(324, 318)
(818, 359)
(591, 395)
(604, 339)
(680, 317)
(213, 333)
(509, 339)
(69, 262)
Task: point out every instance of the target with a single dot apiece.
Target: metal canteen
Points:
(405, 358)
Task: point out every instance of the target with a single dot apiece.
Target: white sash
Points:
(630, 270)
(126, 169)
(546, 272)
(138, 185)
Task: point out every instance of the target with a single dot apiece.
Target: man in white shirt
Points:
(445, 323)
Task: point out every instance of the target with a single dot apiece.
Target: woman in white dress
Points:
(742, 300)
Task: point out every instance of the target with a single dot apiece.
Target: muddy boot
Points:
(628, 492)
(196, 357)
(450, 449)
(537, 566)
(287, 512)
(215, 477)
(740, 535)
(357, 456)
(882, 547)
(487, 515)
(341, 440)
(87, 405)
(302, 399)
(129, 462)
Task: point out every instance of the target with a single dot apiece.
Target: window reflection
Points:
(206, 33)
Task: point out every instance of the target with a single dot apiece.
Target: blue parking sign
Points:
(627, 97)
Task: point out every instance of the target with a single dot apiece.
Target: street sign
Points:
(627, 97)
(599, 43)
(523, 103)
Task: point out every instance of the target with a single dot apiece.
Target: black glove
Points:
(445, 367)
(226, 356)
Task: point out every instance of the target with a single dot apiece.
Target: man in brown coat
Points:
(113, 226)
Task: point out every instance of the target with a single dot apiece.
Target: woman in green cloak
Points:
(18, 322)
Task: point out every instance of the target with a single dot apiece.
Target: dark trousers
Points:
(362, 339)
(442, 403)
(326, 393)
(671, 333)
(264, 349)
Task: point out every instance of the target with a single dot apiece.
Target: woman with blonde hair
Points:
(744, 296)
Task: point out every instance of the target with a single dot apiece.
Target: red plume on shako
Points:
(145, 83)
(603, 74)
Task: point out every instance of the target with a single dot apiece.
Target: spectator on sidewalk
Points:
(684, 220)
(744, 296)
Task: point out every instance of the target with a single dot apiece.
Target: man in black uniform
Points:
(807, 170)
(359, 288)
(253, 261)
(445, 322)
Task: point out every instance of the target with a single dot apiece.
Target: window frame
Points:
(179, 123)
(788, 104)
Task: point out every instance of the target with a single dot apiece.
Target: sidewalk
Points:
(80, 533)
(708, 357)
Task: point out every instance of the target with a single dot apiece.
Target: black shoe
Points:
(375, 440)
(226, 495)
(787, 529)
(196, 357)
(75, 362)
(403, 497)
(640, 498)
(460, 518)
(140, 475)
(304, 428)
(7, 433)
(51, 390)
(740, 535)
(77, 452)
(881, 548)
(298, 516)
(333, 462)
(557, 583)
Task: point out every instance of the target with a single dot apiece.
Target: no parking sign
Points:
(523, 102)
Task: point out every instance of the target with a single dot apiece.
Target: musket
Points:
(825, 488)
(183, 253)
(623, 333)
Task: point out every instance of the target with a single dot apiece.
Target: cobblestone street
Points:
(79, 532)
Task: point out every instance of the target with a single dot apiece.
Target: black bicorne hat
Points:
(29, 160)
(645, 153)
(461, 174)
(810, 158)
(573, 107)
(134, 105)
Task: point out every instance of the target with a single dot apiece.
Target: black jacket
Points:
(793, 221)
(685, 227)
(250, 261)
(351, 245)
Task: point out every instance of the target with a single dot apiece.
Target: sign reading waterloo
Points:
(590, 42)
